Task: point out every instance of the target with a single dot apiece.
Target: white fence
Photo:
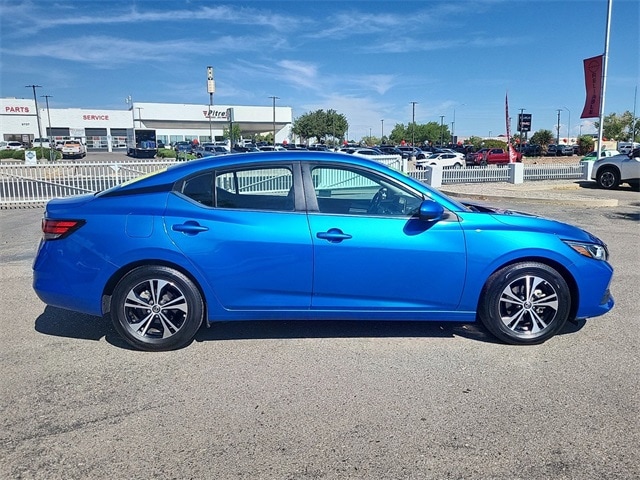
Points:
(24, 186)
(33, 185)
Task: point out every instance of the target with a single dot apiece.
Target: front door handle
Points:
(190, 228)
(334, 235)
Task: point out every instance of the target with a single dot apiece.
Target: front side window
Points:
(347, 191)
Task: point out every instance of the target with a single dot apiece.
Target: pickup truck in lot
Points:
(492, 156)
(73, 149)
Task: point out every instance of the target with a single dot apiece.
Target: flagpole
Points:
(605, 62)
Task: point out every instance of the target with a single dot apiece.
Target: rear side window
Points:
(250, 189)
(199, 188)
(256, 189)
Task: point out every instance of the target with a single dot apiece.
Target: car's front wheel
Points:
(156, 308)
(525, 303)
(608, 178)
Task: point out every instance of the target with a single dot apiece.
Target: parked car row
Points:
(561, 150)
(44, 143)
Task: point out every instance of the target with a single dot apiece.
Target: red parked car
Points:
(494, 156)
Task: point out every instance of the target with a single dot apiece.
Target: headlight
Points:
(591, 250)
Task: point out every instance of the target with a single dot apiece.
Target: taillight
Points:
(56, 229)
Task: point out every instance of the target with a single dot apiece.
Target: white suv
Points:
(609, 172)
(11, 146)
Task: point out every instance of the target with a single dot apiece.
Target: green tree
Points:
(235, 130)
(543, 138)
(586, 144)
(493, 143)
(319, 125)
(398, 134)
(475, 141)
(618, 127)
(427, 133)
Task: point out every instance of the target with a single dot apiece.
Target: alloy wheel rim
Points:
(607, 179)
(528, 305)
(155, 308)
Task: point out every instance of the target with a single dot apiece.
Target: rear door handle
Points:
(190, 228)
(334, 235)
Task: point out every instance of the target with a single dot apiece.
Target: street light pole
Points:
(568, 126)
(558, 128)
(382, 130)
(274, 98)
(129, 101)
(441, 130)
(413, 125)
(47, 97)
(37, 111)
(453, 127)
(211, 88)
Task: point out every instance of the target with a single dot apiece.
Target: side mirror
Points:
(431, 211)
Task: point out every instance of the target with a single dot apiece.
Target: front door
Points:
(371, 252)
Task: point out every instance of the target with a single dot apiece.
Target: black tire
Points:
(140, 313)
(525, 303)
(608, 178)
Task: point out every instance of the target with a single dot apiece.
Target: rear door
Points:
(246, 231)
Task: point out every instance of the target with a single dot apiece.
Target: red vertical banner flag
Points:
(593, 85)
(512, 153)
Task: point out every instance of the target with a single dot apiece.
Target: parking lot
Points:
(303, 400)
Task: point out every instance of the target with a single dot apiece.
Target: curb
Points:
(560, 199)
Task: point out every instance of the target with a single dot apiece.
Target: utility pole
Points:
(382, 130)
(274, 98)
(37, 110)
(558, 128)
(441, 130)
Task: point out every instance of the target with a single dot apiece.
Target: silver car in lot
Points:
(610, 172)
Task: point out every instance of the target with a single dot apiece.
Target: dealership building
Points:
(107, 129)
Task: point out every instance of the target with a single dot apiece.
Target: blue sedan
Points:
(309, 235)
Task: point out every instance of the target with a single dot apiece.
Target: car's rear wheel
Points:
(156, 308)
(525, 303)
(608, 178)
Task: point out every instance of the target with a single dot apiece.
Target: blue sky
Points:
(366, 59)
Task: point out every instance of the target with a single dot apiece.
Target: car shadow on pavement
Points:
(64, 323)
(274, 329)
(587, 185)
